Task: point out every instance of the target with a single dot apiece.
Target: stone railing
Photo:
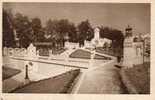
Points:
(14, 51)
(29, 52)
(71, 45)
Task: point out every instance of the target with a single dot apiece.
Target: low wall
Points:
(14, 51)
(71, 45)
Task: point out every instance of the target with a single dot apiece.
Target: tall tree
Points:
(73, 36)
(38, 31)
(85, 31)
(63, 29)
(116, 36)
(51, 31)
(8, 34)
(24, 30)
(59, 29)
(52, 26)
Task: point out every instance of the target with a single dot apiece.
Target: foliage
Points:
(85, 31)
(37, 30)
(8, 36)
(73, 36)
(24, 30)
(116, 36)
(60, 30)
(55, 31)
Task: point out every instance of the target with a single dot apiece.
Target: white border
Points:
(14, 96)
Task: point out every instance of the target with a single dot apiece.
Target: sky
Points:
(115, 15)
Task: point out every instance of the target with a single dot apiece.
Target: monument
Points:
(31, 51)
(133, 50)
(97, 33)
(97, 41)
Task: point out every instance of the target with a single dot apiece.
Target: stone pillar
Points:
(128, 52)
(5, 51)
(91, 61)
(50, 54)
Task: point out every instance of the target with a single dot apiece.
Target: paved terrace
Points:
(100, 77)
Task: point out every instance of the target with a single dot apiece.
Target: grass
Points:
(101, 57)
(101, 50)
(139, 76)
(86, 55)
(118, 52)
(58, 51)
(58, 84)
(9, 72)
(80, 54)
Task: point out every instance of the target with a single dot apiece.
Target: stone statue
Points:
(97, 33)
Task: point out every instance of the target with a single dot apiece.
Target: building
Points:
(97, 41)
(133, 49)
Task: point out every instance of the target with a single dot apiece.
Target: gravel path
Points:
(103, 80)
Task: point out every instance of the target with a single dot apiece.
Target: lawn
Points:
(9, 72)
(101, 50)
(139, 76)
(86, 55)
(59, 84)
(58, 51)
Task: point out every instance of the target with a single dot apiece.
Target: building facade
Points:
(133, 49)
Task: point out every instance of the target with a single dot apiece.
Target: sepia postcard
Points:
(75, 50)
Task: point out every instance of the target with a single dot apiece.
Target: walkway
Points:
(101, 77)
(45, 71)
(102, 80)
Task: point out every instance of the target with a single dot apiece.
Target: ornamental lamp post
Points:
(26, 72)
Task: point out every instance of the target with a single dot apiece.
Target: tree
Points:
(59, 29)
(85, 31)
(63, 30)
(72, 33)
(8, 34)
(38, 31)
(106, 32)
(51, 30)
(116, 36)
(51, 26)
(24, 30)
